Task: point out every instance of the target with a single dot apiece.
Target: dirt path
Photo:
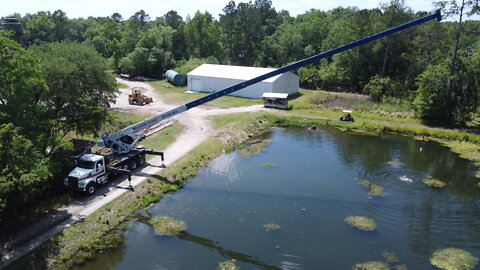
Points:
(196, 130)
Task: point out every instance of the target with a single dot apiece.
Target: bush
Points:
(309, 77)
(24, 175)
(378, 88)
(430, 101)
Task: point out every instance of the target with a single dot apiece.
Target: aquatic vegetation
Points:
(362, 223)
(271, 227)
(228, 265)
(390, 257)
(434, 182)
(372, 265)
(268, 164)
(164, 225)
(253, 147)
(375, 189)
(365, 183)
(478, 185)
(401, 267)
(395, 164)
(453, 259)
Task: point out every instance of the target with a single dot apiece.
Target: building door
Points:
(196, 85)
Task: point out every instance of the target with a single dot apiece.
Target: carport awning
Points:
(274, 95)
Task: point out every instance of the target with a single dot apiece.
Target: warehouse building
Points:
(212, 78)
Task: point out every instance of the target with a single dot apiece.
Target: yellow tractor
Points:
(138, 98)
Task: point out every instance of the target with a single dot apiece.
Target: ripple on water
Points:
(289, 263)
(405, 178)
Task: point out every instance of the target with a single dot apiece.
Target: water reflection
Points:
(226, 168)
(225, 252)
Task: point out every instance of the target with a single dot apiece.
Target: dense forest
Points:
(54, 82)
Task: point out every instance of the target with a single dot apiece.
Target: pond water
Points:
(308, 182)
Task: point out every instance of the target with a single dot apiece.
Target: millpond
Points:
(285, 206)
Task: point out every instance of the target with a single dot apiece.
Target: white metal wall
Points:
(286, 83)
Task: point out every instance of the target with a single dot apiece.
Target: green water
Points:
(311, 188)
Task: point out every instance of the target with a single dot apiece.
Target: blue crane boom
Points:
(125, 140)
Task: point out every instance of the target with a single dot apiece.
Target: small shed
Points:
(275, 100)
(213, 78)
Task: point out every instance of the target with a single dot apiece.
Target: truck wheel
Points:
(133, 165)
(91, 188)
(124, 166)
(140, 160)
(130, 102)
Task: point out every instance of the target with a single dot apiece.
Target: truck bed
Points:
(114, 160)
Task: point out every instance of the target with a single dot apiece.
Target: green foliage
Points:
(185, 66)
(157, 37)
(24, 174)
(449, 98)
(431, 96)
(202, 36)
(465, 85)
(45, 92)
(151, 55)
(79, 88)
(378, 87)
(243, 27)
(309, 77)
(147, 62)
(21, 85)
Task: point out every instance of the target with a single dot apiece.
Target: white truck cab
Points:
(89, 172)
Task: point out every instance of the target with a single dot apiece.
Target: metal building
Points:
(212, 78)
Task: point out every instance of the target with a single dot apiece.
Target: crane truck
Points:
(122, 154)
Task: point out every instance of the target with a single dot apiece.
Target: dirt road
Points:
(196, 130)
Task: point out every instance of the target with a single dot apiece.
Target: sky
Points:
(157, 8)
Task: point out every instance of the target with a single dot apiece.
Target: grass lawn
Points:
(171, 94)
(162, 139)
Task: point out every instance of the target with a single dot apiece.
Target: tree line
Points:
(56, 83)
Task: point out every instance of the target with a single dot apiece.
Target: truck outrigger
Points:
(121, 153)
